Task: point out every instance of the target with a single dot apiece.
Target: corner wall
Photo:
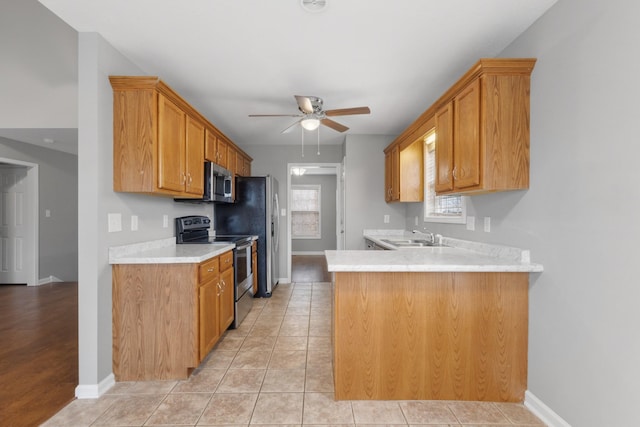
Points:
(98, 60)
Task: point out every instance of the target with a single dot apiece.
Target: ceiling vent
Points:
(314, 5)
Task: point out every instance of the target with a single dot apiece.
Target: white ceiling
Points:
(232, 58)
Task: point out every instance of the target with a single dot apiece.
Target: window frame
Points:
(429, 147)
(318, 188)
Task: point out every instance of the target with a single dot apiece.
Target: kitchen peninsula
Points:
(433, 323)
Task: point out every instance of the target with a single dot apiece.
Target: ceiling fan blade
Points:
(304, 103)
(288, 129)
(348, 111)
(275, 115)
(334, 125)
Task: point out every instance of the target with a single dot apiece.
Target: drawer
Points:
(208, 270)
(226, 260)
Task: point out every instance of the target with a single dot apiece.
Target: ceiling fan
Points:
(313, 115)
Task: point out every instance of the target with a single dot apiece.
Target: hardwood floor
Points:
(309, 268)
(39, 351)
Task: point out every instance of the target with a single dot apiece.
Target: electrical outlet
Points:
(114, 222)
(487, 224)
(134, 222)
(415, 221)
(47, 213)
(471, 222)
(165, 221)
(386, 219)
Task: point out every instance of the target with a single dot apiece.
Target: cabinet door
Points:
(226, 299)
(209, 329)
(232, 158)
(171, 140)
(395, 174)
(194, 157)
(444, 148)
(222, 153)
(210, 146)
(466, 133)
(387, 177)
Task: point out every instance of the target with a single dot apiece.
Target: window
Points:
(305, 212)
(439, 208)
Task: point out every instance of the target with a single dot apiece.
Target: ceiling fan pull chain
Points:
(318, 140)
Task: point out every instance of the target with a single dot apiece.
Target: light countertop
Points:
(166, 251)
(457, 256)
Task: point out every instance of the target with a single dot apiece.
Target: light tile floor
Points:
(274, 369)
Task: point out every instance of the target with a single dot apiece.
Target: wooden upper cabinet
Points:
(210, 146)
(223, 156)
(482, 129)
(194, 159)
(404, 173)
(160, 142)
(171, 146)
(444, 152)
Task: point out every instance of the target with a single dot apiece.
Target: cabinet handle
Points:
(219, 289)
(224, 285)
(210, 269)
(455, 169)
(184, 179)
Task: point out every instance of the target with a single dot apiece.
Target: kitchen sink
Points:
(411, 243)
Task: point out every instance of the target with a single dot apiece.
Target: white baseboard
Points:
(94, 391)
(542, 411)
(50, 279)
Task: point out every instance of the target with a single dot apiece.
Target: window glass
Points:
(305, 212)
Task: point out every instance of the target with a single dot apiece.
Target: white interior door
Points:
(15, 228)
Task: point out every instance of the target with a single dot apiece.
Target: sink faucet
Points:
(430, 236)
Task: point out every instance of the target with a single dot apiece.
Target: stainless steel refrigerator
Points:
(256, 212)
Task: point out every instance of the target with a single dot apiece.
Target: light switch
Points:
(386, 219)
(114, 222)
(165, 221)
(47, 213)
(487, 224)
(283, 212)
(471, 222)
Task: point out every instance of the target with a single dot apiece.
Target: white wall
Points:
(364, 189)
(57, 192)
(98, 60)
(579, 217)
(39, 71)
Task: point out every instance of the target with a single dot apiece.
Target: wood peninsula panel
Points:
(154, 305)
(430, 336)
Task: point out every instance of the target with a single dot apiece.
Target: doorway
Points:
(18, 222)
(334, 170)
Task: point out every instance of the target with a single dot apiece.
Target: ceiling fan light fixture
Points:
(310, 123)
(314, 5)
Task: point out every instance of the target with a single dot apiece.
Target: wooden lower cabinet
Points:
(226, 299)
(430, 336)
(168, 317)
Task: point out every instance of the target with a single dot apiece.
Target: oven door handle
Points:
(242, 246)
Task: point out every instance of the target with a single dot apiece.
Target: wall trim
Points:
(94, 391)
(307, 253)
(542, 411)
(50, 279)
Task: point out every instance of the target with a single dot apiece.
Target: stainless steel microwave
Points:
(218, 185)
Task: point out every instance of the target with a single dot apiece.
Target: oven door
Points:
(243, 272)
